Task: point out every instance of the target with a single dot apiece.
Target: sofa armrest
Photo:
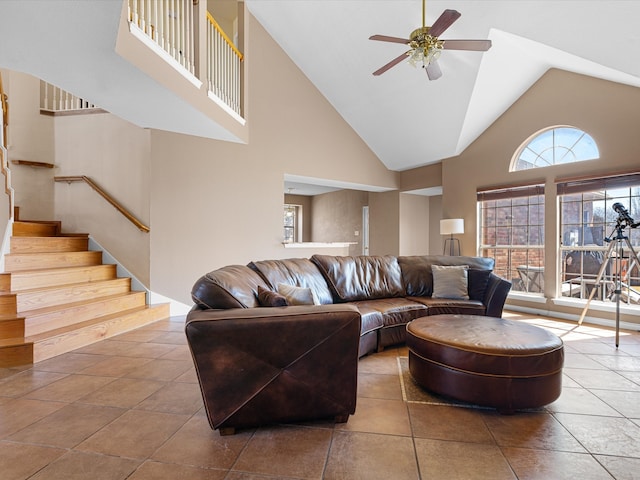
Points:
(266, 365)
(496, 295)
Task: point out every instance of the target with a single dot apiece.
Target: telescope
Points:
(623, 215)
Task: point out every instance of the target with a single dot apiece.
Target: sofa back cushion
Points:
(361, 278)
(233, 286)
(417, 277)
(297, 272)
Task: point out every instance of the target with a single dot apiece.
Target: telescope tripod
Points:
(616, 245)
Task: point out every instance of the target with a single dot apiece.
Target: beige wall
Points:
(211, 203)
(436, 241)
(30, 137)
(216, 203)
(414, 224)
(116, 155)
(607, 111)
(384, 223)
(337, 217)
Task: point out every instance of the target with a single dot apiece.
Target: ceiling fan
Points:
(426, 46)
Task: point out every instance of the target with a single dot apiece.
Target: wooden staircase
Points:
(57, 296)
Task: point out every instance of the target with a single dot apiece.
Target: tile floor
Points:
(129, 407)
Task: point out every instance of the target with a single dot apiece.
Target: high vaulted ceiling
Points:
(409, 121)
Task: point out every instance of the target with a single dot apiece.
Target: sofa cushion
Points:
(450, 282)
(395, 311)
(297, 295)
(267, 298)
(299, 272)
(417, 278)
(371, 319)
(233, 286)
(361, 278)
(439, 306)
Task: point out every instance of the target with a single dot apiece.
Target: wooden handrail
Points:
(5, 113)
(218, 28)
(106, 196)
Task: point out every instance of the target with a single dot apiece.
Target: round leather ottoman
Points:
(487, 361)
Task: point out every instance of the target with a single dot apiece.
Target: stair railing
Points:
(82, 178)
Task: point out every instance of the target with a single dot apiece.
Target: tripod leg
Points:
(597, 282)
(635, 261)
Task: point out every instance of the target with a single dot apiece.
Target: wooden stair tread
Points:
(28, 244)
(66, 306)
(15, 262)
(14, 342)
(66, 286)
(61, 331)
(19, 281)
(56, 296)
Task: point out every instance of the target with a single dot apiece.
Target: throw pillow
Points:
(478, 281)
(450, 282)
(297, 295)
(267, 298)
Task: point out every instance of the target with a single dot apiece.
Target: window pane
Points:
(588, 225)
(519, 225)
(555, 146)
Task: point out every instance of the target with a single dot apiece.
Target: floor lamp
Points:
(450, 226)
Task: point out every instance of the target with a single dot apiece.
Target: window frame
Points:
(577, 281)
(296, 226)
(518, 162)
(524, 260)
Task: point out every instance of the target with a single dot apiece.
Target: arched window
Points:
(554, 146)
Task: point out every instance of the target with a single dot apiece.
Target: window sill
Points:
(527, 297)
(596, 305)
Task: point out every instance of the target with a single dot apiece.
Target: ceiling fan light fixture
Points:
(424, 47)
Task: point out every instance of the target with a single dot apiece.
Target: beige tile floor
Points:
(130, 407)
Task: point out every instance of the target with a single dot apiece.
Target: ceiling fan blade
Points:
(385, 38)
(433, 70)
(443, 22)
(475, 45)
(392, 63)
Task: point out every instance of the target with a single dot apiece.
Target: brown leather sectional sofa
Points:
(259, 364)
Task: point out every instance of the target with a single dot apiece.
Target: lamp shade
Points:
(450, 226)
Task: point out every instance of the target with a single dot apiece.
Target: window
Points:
(292, 223)
(512, 232)
(587, 223)
(554, 146)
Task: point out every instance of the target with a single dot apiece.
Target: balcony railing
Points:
(171, 25)
(55, 99)
(223, 66)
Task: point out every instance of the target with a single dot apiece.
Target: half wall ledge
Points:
(318, 244)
